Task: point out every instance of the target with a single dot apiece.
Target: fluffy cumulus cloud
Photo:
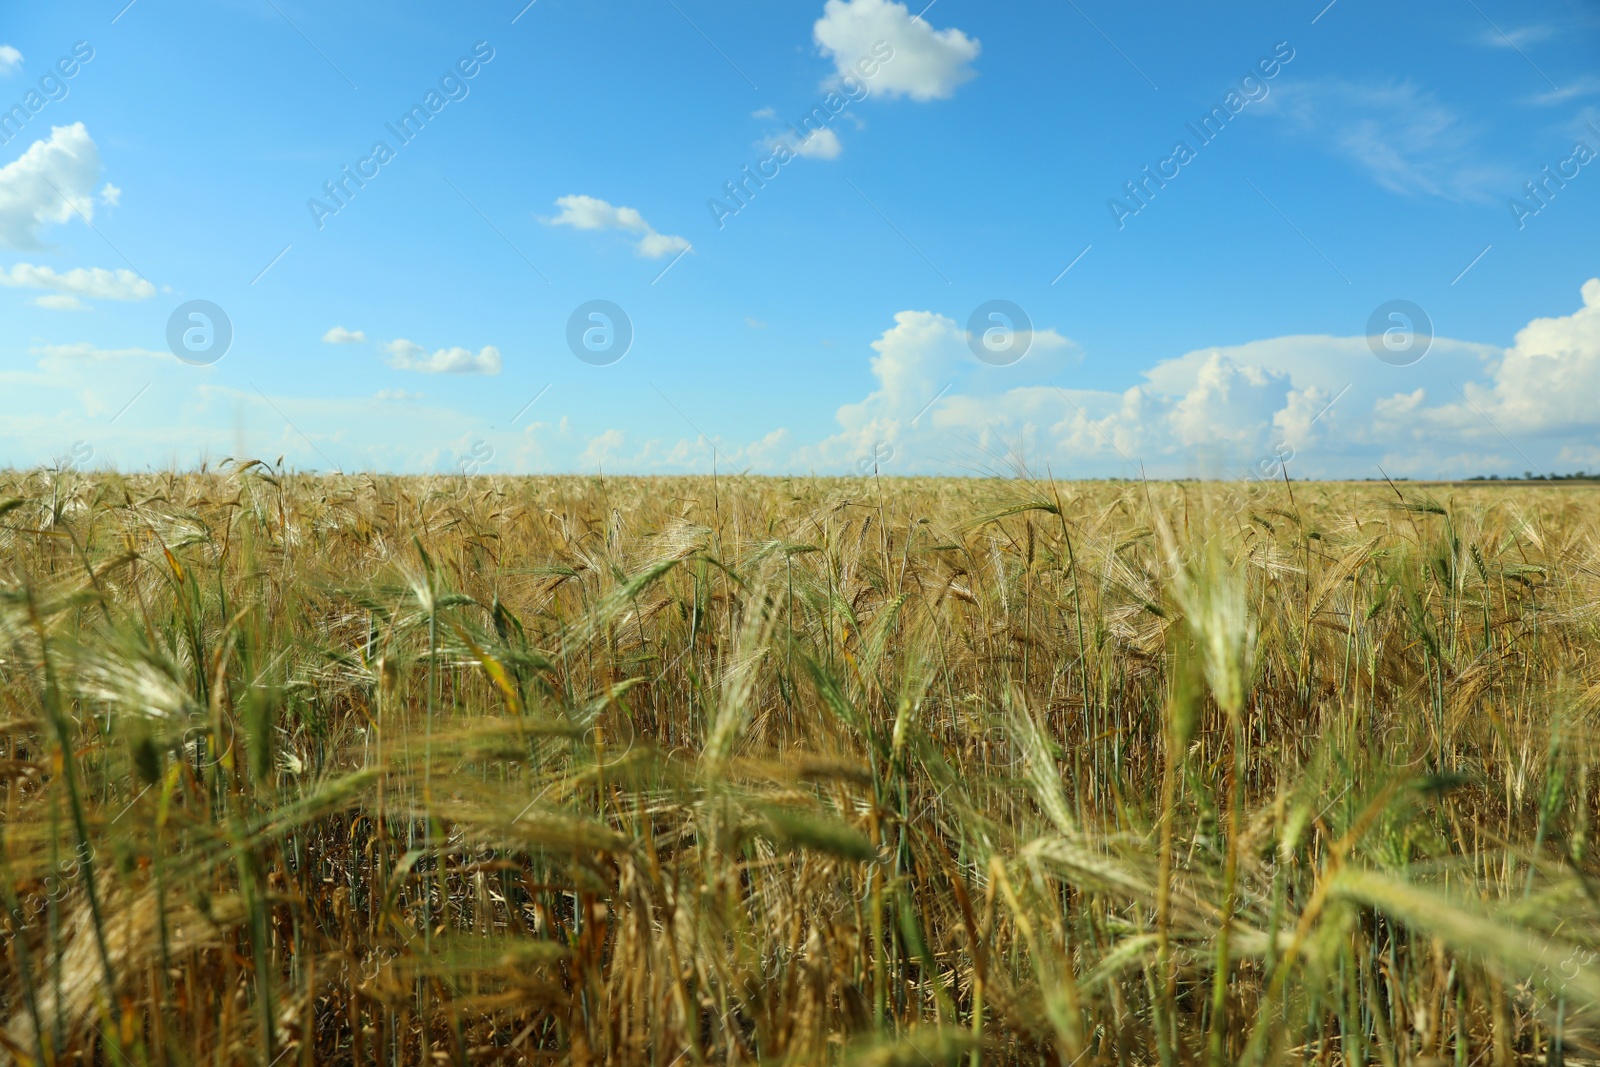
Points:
(1327, 406)
(929, 383)
(338, 335)
(66, 289)
(1227, 403)
(408, 355)
(10, 59)
(925, 350)
(592, 213)
(928, 64)
(50, 183)
(818, 144)
(1547, 381)
(921, 348)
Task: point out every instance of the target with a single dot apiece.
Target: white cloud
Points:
(655, 245)
(1329, 363)
(110, 195)
(60, 302)
(1400, 135)
(95, 283)
(1047, 340)
(929, 386)
(51, 182)
(1228, 403)
(754, 323)
(1334, 407)
(85, 350)
(10, 59)
(925, 351)
(1576, 87)
(407, 355)
(616, 450)
(1547, 380)
(919, 349)
(1400, 405)
(1048, 355)
(1326, 403)
(1580, 457)
(602, 449)
(927, 64)
(819, 144)
(764, 113)
(338, 335)
(592, 213)
(1517, 36)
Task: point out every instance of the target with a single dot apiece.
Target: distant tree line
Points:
(1531, 476)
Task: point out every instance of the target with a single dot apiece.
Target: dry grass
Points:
(689, 771)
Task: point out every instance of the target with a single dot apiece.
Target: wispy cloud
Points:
(1577, 88)
(1517, 36)
(85, 350)
(1400, 135)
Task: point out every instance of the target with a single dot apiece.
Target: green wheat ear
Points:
(366, 770)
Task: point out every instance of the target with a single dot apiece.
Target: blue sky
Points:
(1217, 320)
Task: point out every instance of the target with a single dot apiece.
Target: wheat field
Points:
(370, 770)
